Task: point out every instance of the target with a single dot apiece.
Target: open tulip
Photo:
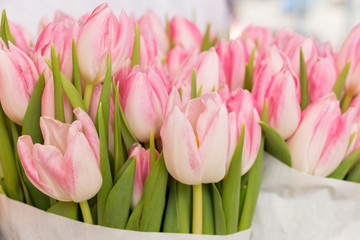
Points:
(195, 139)
(185, 33)
(66, 167)
(320, 142)
(18, 76)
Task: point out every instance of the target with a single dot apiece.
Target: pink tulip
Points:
(242, 111)
(148, 49)
(150, 21)
(142, 169)
(195, 139)
(185, 33)
(144, 96)
(102, 34)
(276, 82)
(320, 142)
(18, 77)
(261, 36)
(350, 51)
(355, 132)
(22, 36)
(233, 57)
(174, 59)
(66, 167)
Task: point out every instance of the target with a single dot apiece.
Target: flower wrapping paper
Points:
(19, 221)
(297, 206)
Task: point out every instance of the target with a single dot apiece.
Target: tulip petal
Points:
(54, 132)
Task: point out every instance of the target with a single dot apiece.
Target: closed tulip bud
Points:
(185, 33)
(261, 36)
(195, 139)
(22, 36)
(174, 59)
(320, 142)
(148, 49)
(18, 77)
(350, 51)
(102, 34)
(142, 170)
(66, 167)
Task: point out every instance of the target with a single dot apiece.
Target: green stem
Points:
(87, 95)
(197, 209)
(346, 102)
(85, 210)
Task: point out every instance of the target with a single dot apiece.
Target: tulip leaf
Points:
(134, 220)
(128, 136)
(152, 149)
(253, 188)
(304, 89)
(264, 114)
(154, 195)
(354, 174)
(208, 210)
(135, 58)
(340, 82)
(232, 186)
(242, 196)
(72, 93)
(118, 144)
(275, 144)
(249, 69)
(341, 171)
(220, 222)
(5, 30)
(206, 42)
(104, 167)
(170, 218)
(119, 200)
(58, 93)
(183, 207)
(193, 84)
(65, 209)
(76, 73)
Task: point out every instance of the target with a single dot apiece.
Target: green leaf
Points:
(76, 73)
(193, 84)
(249, 69)
(253, 188)
(220, 222)
(242, 199)
(128, 136)
(344, 167)
(170, 218)
(208, 210)
(72, 93)
(135, 59)
(119, 200)
(304, 89)
(58, 93)
(232, 186)
(154, 195)
(200, 91)
(119, 158)
(134, 220)
(104, 167)
(340, 82)
(183, 207)
(206, 42)
(264, 114)
(65, 209)
(152, 149)
(275, 144)
(354, 174)
(5, 30)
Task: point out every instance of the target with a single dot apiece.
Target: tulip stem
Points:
(346, 102)
(197, 209)
(85, 210)
(87, 95)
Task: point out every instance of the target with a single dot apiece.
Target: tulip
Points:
(355, 144)
(142, 170)
(148, 49)
(242, 111)
(320, 142)
(18, 77)
(174, 59)
(195, 139)
(102, 34)
(276, 82)
(144, 96)
(261, 36)
(185, 33)
(350, 51)
(22, 36)
(66, 167)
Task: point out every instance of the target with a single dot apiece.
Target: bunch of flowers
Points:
(155, 127)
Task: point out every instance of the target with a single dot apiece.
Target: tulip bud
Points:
(174, 59)
(185, 33)
(195, 139)
(102, 34)
(320, 142)
(261, 36)
(22, 36)
(66, 167)
(18, 77)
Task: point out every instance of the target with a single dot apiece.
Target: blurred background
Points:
(326, 20)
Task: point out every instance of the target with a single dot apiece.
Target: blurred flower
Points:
(22, 36)
(185, 33)
(261, 36)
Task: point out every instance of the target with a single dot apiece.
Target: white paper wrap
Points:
(293, 205)
(19, 221)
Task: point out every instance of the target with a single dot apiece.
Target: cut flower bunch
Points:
(133, 124)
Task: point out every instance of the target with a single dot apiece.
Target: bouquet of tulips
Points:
(134, 124)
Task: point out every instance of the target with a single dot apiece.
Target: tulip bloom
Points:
(142, 170)
(102, 34)
(22, 36)
(18, 77)
(66, 167)
(350, 51)
(195, 139)
(185, 33)
(261, 36)
(320, 142)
